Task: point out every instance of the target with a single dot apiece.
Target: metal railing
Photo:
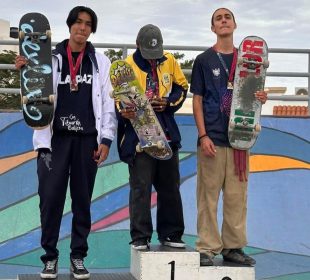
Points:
(126, 47)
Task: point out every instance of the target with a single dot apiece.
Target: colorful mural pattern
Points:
(279, 191)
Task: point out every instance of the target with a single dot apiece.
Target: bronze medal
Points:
(74, 86)
(74, 68)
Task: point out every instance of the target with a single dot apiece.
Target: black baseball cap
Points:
(150, 42)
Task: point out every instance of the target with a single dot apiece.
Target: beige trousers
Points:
(213, 176)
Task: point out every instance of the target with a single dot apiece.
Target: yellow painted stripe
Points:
(11, 162)
(259, 163)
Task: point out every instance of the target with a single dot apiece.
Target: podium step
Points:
(162, 262)
(93, 276)
(226, 271)
(165, 263)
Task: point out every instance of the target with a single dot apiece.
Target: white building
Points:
(5, 35)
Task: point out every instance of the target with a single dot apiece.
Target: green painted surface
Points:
(24, 216)
(107, 249)
(298, 276)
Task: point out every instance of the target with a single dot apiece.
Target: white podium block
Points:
(226, 271)
(165, 263)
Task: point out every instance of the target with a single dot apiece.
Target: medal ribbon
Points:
(154, 77)
(231, 73)
(74, 68)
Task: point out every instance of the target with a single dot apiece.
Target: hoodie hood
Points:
(61, 48)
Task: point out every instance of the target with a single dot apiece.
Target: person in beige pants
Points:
(220, 167)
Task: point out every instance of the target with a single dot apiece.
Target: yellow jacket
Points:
(172, 85)
(168, 71)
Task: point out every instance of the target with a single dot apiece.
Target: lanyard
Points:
(74, 68)
(230, 74)
(154, 77)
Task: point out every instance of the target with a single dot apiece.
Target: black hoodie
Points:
(74, 112)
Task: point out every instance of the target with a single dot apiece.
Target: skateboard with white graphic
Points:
(36, 76)
(129, 93)
(244, 123)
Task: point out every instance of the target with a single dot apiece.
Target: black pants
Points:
(164, 175)
(71, 158)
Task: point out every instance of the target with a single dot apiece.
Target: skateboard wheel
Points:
(21, 35)
(24, 99)
(48, 34)
(257, 128)
(111, 93)
(232, 124)
(266, 63)
(240, 61)
(160, 144)
(133, 89)
(139, 148)
(51, 98)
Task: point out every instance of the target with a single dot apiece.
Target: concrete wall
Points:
(278, 202)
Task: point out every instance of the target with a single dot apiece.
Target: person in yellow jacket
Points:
(165, 85)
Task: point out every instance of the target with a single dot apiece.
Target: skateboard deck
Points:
(244, 122)
(129, 93)
(36, 76)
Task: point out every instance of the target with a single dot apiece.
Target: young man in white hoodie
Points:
(77, 141)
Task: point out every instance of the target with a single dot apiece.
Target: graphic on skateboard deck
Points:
(36, 76)
(244, 123)
(129, 93)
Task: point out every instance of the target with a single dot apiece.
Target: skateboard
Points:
(244, 122)
(36, 76)
(129, 93)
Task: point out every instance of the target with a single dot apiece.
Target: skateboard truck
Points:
(114, 94)
(245, 125)
(38, 99)
(14, 32)
(160, 145)
(36, 37)
(252, 62)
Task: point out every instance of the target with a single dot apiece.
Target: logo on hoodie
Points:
(47, 158)
(80, 79)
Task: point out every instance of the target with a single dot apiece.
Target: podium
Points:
(165, 263)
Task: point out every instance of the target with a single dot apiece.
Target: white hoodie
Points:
(103, 104)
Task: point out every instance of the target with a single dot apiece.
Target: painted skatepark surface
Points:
(278, 202)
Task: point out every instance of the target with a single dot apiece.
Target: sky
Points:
(282, 23)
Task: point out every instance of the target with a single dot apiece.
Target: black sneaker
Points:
(206, 259)
(238, 256)
(50, 270)
(140, 244)
(78, 269)
(175, 242)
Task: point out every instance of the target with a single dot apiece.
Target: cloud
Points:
(282, 23)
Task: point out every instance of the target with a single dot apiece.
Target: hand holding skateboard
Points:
(159, 104)
(20, 61)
